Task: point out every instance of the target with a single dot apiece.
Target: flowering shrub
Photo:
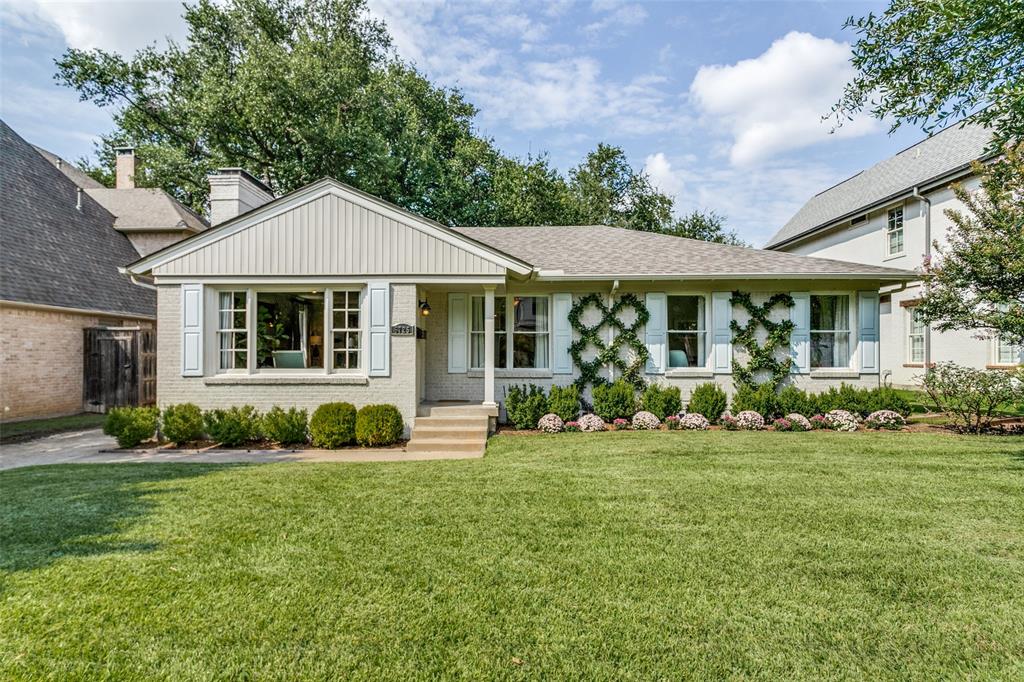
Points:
(749, 420)
(591, 422)
(551, 423)
(729, 422)
(672, 422)
(782, 424)
(841, 420)
(818, 421)
(798, 422)
(645, 421)
(885, 419)
(572, 426)
(620, 424)
(694, 422)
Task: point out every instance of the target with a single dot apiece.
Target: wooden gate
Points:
(120, 368)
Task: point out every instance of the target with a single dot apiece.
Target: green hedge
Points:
(708, 399)
(182, 423)
(661, 401)
(565, 402)
(333, 425)
(286, 427)
(131, 425)
(234, 426)
(525, 405)
(615, 401)
(378, 425)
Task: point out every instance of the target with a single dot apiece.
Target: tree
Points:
(607, 191)
(707, 226)
(931, 63)
(977, 280)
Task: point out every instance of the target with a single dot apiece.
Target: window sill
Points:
(689, 373)
(834, 374)
(919, 365)
(895, 256)
(285, 379)
(512, 374)
(1001, 366)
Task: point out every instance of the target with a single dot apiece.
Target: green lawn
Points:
(583, 556)
(35, 428)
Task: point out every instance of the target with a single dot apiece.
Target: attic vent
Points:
(859, 219)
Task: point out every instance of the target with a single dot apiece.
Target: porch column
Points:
(489, 345)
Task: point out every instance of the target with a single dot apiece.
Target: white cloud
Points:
(664, 178)
(775, 102)
(617, 17)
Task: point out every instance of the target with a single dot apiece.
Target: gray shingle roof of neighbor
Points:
(147, 209)
(607, 252)
(52, 253)
(943, 153)
(74, 173)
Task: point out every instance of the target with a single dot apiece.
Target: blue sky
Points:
(720, 102)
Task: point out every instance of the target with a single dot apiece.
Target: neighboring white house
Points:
(368, 303)
(890, 214)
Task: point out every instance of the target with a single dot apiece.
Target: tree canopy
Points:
(295, 91)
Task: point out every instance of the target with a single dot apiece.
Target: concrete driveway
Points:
(92, 447)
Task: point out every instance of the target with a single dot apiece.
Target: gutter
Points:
(928, 257)
(135, 279)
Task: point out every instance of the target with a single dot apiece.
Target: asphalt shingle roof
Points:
(74, 173)
(599, 250)
(52, 253)
(146, 209)
(941, 154)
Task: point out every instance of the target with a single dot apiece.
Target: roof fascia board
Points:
(77, 311)
(310, 193)
(551, 276)
(322, 280)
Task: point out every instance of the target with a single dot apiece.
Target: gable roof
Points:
(144, 209)
(74, 173)
(945, 153)
(602, 252)
(52, 253)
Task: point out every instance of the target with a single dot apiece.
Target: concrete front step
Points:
(453, 428)
(461, 433)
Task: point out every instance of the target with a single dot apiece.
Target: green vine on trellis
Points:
(763, 357)
(626, 337)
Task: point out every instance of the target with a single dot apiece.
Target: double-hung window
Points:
(232, 330)
(522, 337)
(830, 331)
(915, 337)
(687, 342)
(476, 333)
(345, 329)
(894, 233)
(1008, 353)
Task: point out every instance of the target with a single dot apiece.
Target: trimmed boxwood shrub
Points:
(131, 425)
(792, 400)
(709, 400)
(565, 402)
(762, 400)
(615, 401)
(333, 425)
(525, 405)
(378, 425)
(661, 401)
(234, 426)
(286, 427)
(182, 423)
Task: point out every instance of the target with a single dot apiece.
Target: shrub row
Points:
(525, 405)
(859, 401)
(333, 425)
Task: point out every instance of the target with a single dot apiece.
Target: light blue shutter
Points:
(458, 333)
(191, 330)
(800, 340)
(721, 338)
(657, 306)
(379, 295)
(561, 331)
(867, 306)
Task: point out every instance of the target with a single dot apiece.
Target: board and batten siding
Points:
(329, 235)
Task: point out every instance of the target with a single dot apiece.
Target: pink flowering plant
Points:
(841, 420)
(620, 424)
(551, 423)
(590, 423)
(782, 424)
(749, 420)
(885, 419)
(646, 421)
(818, 421)
(572, 426)
(694, 421)
(672, 422)
(729, 422)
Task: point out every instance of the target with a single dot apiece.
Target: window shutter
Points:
(721, 316)
(458, 333)
(867, 305)
(561, 304)
(379, 296)
(655, 334)
(800, 340)
(191, 330)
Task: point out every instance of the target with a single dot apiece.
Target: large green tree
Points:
(933, 62)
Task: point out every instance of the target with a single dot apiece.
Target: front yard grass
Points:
(13, 432)
(582, 556)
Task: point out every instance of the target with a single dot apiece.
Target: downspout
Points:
(928, 259)
(611, 329)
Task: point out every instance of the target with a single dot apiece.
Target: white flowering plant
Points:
(590, 423)
(885, 419)
(646, 421)
(798, 422)
(694, 421)
(841, 420)
(551, 423)
(749, 420)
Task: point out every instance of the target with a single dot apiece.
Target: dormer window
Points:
(894, 233)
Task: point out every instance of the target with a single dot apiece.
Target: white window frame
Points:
(997, 347)
(891, 216)
(219, 331)
(509, 333)
(850, 324)
(329, 311)
(911, 335)
(703, 329)
(480, 333)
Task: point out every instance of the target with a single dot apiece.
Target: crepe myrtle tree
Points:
(976, 279)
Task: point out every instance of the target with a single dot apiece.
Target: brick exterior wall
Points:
(399, 389)
(41, 362)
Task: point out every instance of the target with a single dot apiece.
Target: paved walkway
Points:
(92, 447)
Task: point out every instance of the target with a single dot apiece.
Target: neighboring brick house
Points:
(63, 237)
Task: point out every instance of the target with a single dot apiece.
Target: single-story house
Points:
(330, 294)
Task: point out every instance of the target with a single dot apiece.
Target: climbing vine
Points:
(626, 337)
(762, 356)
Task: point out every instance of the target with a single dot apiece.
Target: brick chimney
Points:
(125, 170)
(233, 191)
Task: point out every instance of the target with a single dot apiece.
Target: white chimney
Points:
(233, 191)
(125, 169)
